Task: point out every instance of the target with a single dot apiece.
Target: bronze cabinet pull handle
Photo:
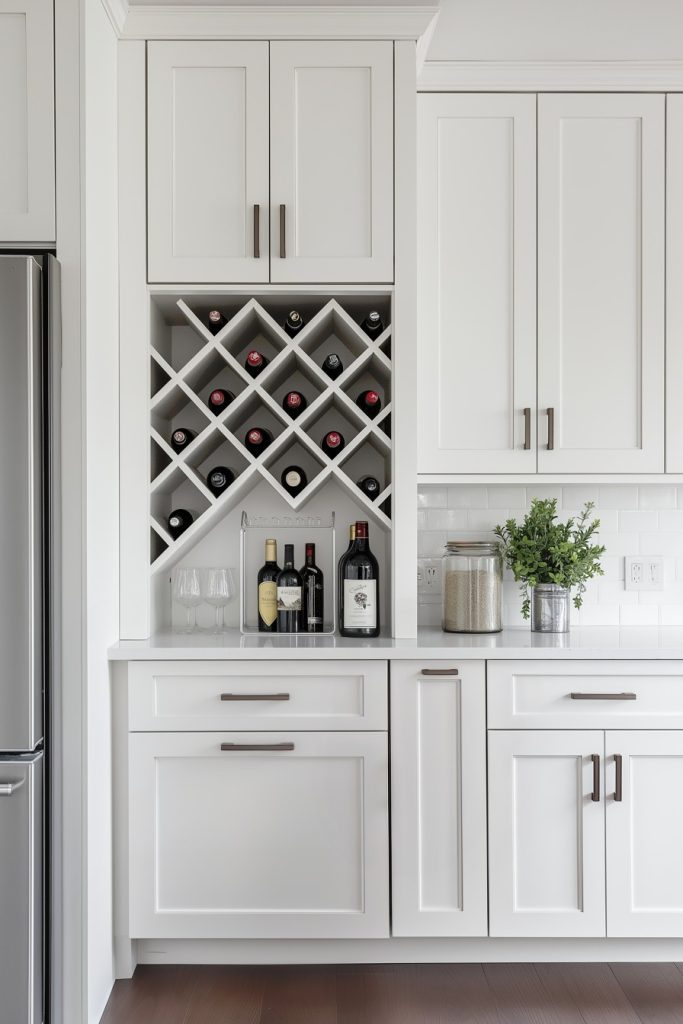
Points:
(551, 429)
(254, 696)
(603, 696)
(257, 231)
(232, 747)
(283, 246)
(619, 782)
(595, 795)
(527, 429)
(439, 671)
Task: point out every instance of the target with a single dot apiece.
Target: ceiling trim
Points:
(549, 76)
(267, 21)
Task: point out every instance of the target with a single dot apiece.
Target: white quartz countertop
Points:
(589, 642)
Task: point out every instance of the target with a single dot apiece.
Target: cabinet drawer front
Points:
(585, 694)
(286, 839)
(297, 695)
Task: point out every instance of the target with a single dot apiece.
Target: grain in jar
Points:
(472, 585)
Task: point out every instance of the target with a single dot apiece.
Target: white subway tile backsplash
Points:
(446, 519)
(502, 496)
(638, 615)
(671, 615)
(620, 543)
(619, 496)
(671, 519)
(658, 496)
(637, 521)
(486, 519)
(613, 592)
(660, 544)
(468, 496)
(432, 497)
(430, 544)
(576, 495)
(544, 491)
(599, 615)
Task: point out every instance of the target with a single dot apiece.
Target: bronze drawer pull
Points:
(618, 786)
(439, 671)
(257, 231)
(595, 795)
(527, 429)
(551, 429)
(254, 696)
(603, 696)
(283, 245)
(256, 746)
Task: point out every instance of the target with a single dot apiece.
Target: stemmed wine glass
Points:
(219, 590)
(188, 592)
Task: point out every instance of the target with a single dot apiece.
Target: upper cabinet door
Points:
(331, 159)
(601, 283)
(477, 283)
(208, 161)
(27, 163)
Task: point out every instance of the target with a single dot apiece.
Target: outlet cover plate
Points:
(643, 572)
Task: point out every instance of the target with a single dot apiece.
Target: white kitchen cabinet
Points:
(438, 799)
(546, 834)
(284, 835)
(331, 153)
(27, 164)
(644, 824)
(477, 283)
(601, 190)
(208, 188)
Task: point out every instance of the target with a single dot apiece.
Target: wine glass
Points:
(219, 589)
(188, 592)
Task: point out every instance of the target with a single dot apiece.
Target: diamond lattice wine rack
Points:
(188, 362)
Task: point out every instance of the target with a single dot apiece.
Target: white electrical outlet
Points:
(429, 576)
(644, 573)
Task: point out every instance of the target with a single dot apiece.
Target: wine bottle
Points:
(289, 595)
(219, 399)
(181, 438)
(332, 443)
(372, 325)
(267, 590)
(369, 402)
(312, 585)
(178, 521)
(257, 440)
(333, 366)
(294, 480)
(293, 323)
(359, 608)
(255, 363)
(216, 321)
(219, 479)
(294, 403)
(369, 485)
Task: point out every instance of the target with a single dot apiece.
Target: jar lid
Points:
(480, 547)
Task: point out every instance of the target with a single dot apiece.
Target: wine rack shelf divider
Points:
(177, 401)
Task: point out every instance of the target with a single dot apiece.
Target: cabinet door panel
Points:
(546, 835)
(331, 130)
(438, 773)
(208, 161)
(601, 282)
(674, 276)
(27, 164)
(259, 843)
(477, 283)
(645, 835)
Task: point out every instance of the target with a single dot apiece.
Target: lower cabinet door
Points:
(438, 798)
(644, 815)
(259, 835)
(546, 834)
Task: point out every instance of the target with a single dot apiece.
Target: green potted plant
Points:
(549, 559)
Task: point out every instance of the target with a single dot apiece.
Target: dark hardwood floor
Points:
(402, 994)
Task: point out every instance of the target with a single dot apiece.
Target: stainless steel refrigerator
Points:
(24, 626)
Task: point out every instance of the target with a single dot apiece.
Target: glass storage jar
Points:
(472, 587)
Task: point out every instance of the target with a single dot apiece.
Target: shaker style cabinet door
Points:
(259, 835)
(546, 834)
(601, 283)
(331, 160)
(207, 190)
(27, 157)
(644, 815)
(438, 798)
(477, 283)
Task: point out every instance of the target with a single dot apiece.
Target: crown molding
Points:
(551, 76)
(266, 21)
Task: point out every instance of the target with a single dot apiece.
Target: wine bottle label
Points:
(289, 599)
(360, 604)
(267, 601)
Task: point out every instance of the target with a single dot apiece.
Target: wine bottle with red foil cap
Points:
(179, 521)
(359, 604)
(294, 403)
(181, 438)
(216, 321)
(219, 399)
(255, 363)
(293, 480)
(332, 443)
(257, 440)
(369, 485)
(293, 323)
(372, 325)
(312, 592)
(219, 479)
(369, 402)
(333, 366)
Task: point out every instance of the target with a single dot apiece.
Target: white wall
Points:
(558, 30)
(102, 526)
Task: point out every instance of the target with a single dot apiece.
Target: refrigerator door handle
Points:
(7, 788)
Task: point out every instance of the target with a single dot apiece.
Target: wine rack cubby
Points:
(188, 362)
